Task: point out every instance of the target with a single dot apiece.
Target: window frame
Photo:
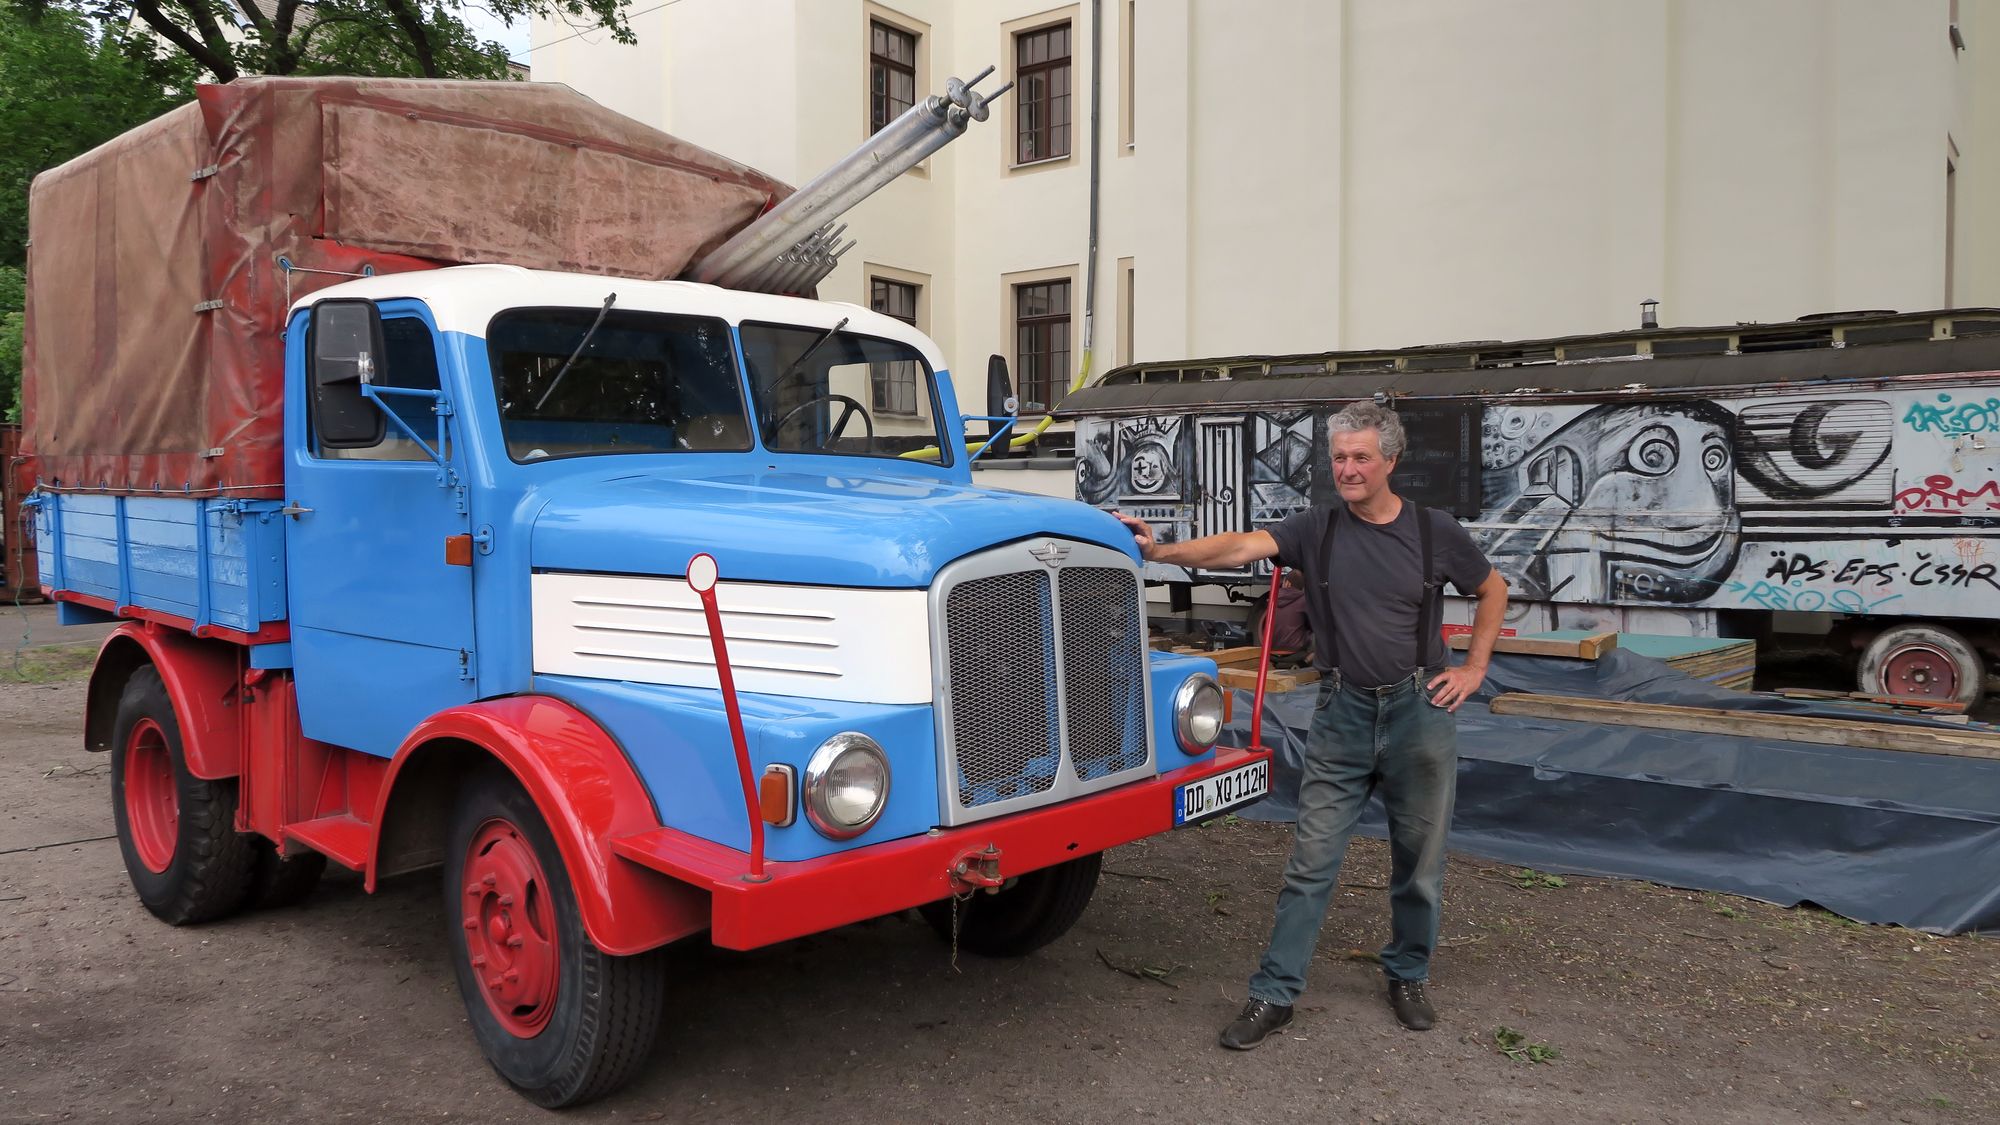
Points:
(889, 379)
(940, 437)
(1046, 104)
(878, 63)
(389, 311)
(735, 364)
(1017, 291)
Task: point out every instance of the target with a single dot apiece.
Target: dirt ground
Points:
(1658, 1004)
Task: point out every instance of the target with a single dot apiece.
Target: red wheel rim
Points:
(1920, 670)
(152, 801)
(510, 933)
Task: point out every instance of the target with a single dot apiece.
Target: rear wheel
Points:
(176, 831)
(559, 1019)
(1923, 662)
(1033, 911)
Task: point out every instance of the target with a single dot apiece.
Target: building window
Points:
(895, 383)
(1041, 341)
(892, 64)
(1041, 66)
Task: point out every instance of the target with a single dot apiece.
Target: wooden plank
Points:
(1285, 680)
(1587, 648)
(1911, 702)
(1856, 733)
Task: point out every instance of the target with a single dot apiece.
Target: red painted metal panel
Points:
(18, 579)
(587, 791)
(272, 632)
(204, 679)
(809, 896)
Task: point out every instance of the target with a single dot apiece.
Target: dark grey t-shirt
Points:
(1369, 606)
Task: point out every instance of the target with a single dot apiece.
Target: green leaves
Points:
(1515, 1046)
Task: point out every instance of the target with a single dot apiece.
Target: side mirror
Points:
(343, 350)
(1000, 398)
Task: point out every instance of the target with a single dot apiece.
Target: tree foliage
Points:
(75, 73)
(395, 38)
(67, 84)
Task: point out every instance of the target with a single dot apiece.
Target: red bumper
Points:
(809, 896)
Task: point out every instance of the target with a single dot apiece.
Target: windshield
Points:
(644, 383)
(844, 394)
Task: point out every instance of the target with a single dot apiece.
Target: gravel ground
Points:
(1656, 1004)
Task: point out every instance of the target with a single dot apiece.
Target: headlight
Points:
(847, 785)
(1198, 713)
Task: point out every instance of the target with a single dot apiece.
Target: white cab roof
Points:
(466, 298)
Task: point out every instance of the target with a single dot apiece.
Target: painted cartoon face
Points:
(1094, 484)
(1149, 467)
(1668, 464)
(1621, 503)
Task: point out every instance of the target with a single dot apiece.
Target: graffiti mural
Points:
(1817, 452)
(1879, 503)
(1611, 502)
(1140, 467)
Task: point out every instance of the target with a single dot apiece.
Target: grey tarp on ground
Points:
(1874, 835)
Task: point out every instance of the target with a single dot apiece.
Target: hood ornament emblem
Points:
(1051, 553)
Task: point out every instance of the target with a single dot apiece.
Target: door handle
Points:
(293, 510)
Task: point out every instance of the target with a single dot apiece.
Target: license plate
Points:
(1198, 800)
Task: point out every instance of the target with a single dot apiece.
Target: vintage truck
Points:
(602, 595)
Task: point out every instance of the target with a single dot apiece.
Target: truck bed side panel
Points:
(212, 563)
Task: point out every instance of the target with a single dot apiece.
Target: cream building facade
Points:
(1307, 175)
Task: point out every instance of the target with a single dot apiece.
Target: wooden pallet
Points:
(1279, 680)
(1584, 648)
(1857, 733)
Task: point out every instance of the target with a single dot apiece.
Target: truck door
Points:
(381, 623)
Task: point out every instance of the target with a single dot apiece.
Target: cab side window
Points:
(410, 361)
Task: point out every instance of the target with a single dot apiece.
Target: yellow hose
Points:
(932, 452)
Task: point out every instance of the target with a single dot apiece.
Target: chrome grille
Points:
(1103, 662)
(1043, 658)
(1003, 677)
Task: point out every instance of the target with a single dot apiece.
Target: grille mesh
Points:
(1004, 725)
(1103, 649)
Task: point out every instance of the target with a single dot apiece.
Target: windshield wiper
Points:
(580, 345)
(799, 363)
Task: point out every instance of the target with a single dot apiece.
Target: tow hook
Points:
(976, 870)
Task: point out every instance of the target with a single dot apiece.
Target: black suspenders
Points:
(1428, 602)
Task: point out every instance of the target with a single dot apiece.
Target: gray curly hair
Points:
(1364, 415)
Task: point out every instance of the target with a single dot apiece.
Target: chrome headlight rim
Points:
(1184, 701)
(814, 792)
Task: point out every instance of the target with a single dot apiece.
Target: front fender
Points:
(203, 678)
(587, 792)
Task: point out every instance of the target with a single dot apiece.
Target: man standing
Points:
(1374, 570)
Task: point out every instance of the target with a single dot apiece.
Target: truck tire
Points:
(1038, 908)
(559, 1019)
(176, 831)
(278, 881)
(1923, 662)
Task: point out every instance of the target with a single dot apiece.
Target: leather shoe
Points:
(1259, 1019)
(1412, 1007)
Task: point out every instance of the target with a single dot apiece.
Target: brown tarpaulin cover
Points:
(156, 303)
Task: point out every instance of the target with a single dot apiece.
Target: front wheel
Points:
(1033, 911)
(559, 1019)
(1923, 662)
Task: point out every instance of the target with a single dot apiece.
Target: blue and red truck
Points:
(444, 537)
